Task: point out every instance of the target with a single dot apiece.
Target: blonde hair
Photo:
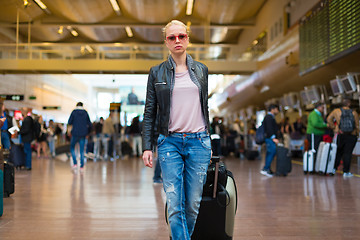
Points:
(175, 22)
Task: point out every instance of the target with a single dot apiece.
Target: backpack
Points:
(260, 135)
(347, 121)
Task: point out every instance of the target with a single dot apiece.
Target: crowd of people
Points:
(341, 126)
(99, 140)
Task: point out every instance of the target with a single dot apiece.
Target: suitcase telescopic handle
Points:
(216, 161)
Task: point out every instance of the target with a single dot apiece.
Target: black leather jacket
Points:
(158, 97)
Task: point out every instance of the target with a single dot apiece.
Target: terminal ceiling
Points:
(216, 23)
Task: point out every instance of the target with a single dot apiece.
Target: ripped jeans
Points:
(184, 159)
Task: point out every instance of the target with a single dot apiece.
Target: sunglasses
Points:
(181, 37)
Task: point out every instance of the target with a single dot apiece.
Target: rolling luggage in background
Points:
(126, 149)
(283, 161)
(308, 158)
(90, 147)
(252, 150)
(325, 159)
(218, 205)
(17, 155)
(251, 154)
(9, 179)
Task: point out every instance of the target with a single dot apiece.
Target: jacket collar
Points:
(79, 108)
(170, 63)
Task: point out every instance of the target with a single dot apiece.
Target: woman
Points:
(42, 138)
(286, 130)
(177, 94)
(51, 137)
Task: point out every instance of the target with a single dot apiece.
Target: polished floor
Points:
(117, 200)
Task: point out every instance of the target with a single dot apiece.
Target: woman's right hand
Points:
(148, 158)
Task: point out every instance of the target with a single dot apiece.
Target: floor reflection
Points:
(117, 200)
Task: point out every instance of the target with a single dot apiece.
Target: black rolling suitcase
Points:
(251, 154)
(9, 179)
(218, 206)
(17, 155)
(283, 161)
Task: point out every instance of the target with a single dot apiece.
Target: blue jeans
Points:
(5, 140)
(184, 159)
(52, 146)
(28, 152)
(81, 141)
(97, 140)
(270, 152)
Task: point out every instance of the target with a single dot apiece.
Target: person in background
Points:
(286, 130)
(132, 98)
(299, 129)
(108, 131)
(177, 91)
(81, 125)
(271, 138)
(316, 126)
(51, 137)
(5, 137)
(27, 135)
(42, 138)
(347, 128)
(98, 136)
(135, 133)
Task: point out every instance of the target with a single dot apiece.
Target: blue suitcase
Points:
(17, 155)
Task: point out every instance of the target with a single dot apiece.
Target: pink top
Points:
(185, 111)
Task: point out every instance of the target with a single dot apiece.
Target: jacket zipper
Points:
(171, 89)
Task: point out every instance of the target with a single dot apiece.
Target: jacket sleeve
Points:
(356, 118)
(270, 127)
(71, 118)
(149, 113)
(207, 95)
(318, 121)
(26, 127)
(330, 119)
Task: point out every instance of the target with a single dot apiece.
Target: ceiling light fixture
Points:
(116, 7)
(189, 7)
(42, 6)
(264, 89)
(89, 49)
(188, 25)
(129, 31)
(26, 3)
(61, 30)
(73, 31)
(82, 50)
